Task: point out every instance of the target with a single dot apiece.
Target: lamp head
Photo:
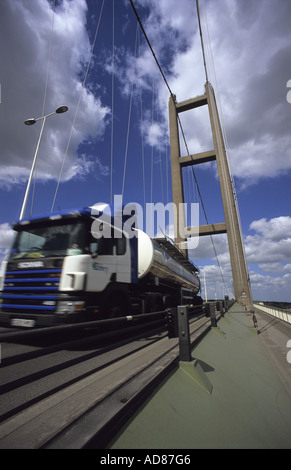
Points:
(62, 109)
(30, 122)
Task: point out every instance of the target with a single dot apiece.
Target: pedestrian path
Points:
(247, 405)
(275, 335)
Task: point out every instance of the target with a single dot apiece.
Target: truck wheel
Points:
(168, 301)
(154, 303)
(115, 307)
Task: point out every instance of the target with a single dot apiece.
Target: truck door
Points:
(122, 247)
(103, 264)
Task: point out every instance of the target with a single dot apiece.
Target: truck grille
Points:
(32, 291)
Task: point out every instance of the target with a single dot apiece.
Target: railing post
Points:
(212, 315)
(210, 312)
(187, 364)
(172, 322)
(184, 334)
(206, 307)
(221, 309)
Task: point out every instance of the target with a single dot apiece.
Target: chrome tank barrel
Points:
(154, 259)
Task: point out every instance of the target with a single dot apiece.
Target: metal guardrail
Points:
(170, 316)
(20, 334)
(275, 312)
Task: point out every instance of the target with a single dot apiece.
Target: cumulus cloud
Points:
(272, 241)
(267, 287)
(23, 77)
(276, 229)
(217, 272)
(269, 251)
(268, 254)
(6, 237)
(252, 61)
(249, 42)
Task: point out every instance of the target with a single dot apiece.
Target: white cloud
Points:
(270, 249)
(278, 228)
(205, 249)
(287, 267)
(252, 69)
(24, 53)
(271, 242)
(6, 237)
(266, 287)
(274, 268)
(268, 253)
(88, 164)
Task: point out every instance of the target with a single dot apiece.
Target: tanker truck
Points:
(61, 270)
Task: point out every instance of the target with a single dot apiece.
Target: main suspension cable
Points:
(112, 104)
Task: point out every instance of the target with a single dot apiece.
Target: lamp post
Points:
(30, 122)
(204, 279)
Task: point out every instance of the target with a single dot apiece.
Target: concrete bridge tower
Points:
(231, 225)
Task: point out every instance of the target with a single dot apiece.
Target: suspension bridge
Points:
(225, 393)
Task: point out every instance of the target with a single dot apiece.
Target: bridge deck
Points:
(248, 407)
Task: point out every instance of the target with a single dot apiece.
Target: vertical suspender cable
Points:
(78, 105)
(128, 124)
(112, 104)
(142, 131)
(152, 156)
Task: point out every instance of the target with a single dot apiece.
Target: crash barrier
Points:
(170, 316)
(37, 332)
(275, 312)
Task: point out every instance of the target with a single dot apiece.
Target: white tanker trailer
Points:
(60, 269)
(161, 258)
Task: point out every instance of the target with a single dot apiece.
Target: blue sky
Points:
(247, 44)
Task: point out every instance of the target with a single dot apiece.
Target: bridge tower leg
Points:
(231, 226)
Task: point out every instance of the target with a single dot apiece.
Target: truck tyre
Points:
(116, 304)
(154, 303)
(169, 301)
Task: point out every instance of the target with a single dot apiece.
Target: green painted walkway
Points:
(248, 407)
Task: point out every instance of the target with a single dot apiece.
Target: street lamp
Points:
(204, 278)
(30, 122)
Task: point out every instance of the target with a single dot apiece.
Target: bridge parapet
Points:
(275, 312)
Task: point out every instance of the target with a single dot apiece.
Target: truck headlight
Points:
(67, 307)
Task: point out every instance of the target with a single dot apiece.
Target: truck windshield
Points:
(50, 240)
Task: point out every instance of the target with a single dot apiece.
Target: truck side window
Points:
(105, 246)
(93, 247)
(121, 245)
